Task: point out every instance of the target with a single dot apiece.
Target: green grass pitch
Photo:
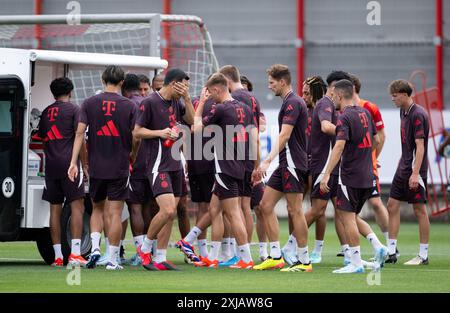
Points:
(21, 270)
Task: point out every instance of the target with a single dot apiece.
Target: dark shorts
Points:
(400, 190)
(316, 193)
(111, 189)
(167, 182)
(287, 180)
(140, 192)
(226, 187)
(376, 191)
(58, 190)
(352, 199)
(257, 194)
(246, 189)
(201, 187)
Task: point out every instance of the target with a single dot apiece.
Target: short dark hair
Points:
(317, 87)
(175, 74)
(144, 79)
(246, 81)
(61, 86)
(337, 75)
(230, 72)
(346, 87)
(113, 74)
(131, 82)
(279, 72)
(217, 79)
(356, 82)
(400, 86)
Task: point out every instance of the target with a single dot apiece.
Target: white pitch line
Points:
(17, 259)
(397, 269)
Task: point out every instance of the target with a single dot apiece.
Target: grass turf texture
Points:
(22, 271)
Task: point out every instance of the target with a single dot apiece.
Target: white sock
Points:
(355, 256)
(291, 244)
(373, 240)
(227, 251)
(275, 251)
(95, 239)
(318, 247)
(154, 246)
(58, 252)
(392, 246)
(203, 247)
(161, 255)
(147, 245)
(113, 254)
(303, 255)
(214, 251)
(138, 240)
(263, 250)
(192, 235)
(75, 246)
(234, 247)
(106, 245)
(423, 251)
(346, 250)
(244, 253)
(386, 236)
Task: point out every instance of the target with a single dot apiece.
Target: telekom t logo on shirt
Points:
(52, 113)
(108, 107)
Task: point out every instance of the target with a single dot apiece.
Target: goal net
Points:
(182, 40)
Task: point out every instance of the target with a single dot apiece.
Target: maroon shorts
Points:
(201, 187)
(316, 193)
(226, 187)
(257, 194)
(287, 180)
(400, 190)
(246, 189)
(140, 192)
(111, 189)
(58, 190)
(352, 199)
(167, 182)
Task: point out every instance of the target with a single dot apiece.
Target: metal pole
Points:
(166, 31)
(38, 28)
(438, 42)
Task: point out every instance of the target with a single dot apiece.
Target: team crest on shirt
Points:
(417, 122)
